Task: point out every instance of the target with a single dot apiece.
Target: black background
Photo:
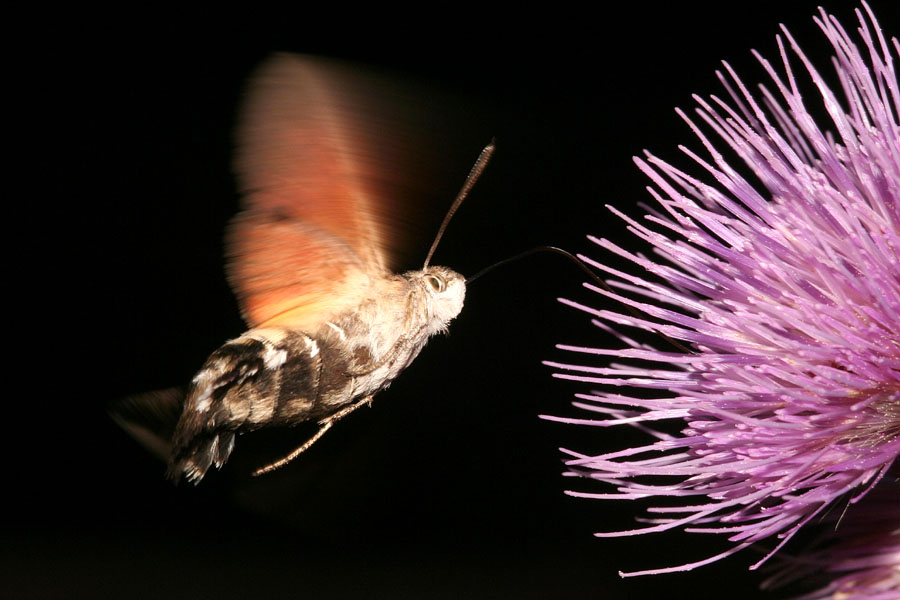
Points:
(450, 485)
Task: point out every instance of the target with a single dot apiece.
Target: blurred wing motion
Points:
(150, 418)
(311, 236)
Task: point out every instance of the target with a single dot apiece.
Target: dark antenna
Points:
(477, 168)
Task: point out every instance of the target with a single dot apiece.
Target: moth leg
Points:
(325, 425)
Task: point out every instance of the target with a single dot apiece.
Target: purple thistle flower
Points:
(780, 302)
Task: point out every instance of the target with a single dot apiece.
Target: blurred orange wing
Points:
(309, 241)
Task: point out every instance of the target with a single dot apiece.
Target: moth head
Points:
(444, 293)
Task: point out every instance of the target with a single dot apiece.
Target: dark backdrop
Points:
(449, 486)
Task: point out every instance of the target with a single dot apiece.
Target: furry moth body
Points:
(284, 376)
(330, 325)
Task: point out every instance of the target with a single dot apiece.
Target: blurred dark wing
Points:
(150, 418)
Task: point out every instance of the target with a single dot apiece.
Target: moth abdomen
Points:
(265, 377)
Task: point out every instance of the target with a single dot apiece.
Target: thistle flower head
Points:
(780, 295)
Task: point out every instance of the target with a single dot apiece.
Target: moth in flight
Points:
(309, 259)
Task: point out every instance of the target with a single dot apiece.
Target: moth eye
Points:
(436, 283)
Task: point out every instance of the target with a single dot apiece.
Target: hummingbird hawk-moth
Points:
(308, 257)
